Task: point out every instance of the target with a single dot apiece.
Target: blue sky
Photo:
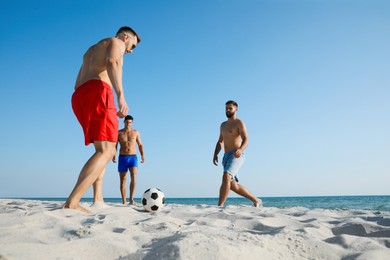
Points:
(311, 79)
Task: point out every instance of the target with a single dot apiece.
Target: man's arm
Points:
(116, 149)
(114, 63)
(140, 147)
(244, 138)
(78, 78)
(218, 148)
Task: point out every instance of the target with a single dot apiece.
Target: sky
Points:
(311, 78)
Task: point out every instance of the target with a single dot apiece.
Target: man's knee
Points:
(235, 186)
(226, 177)
(99, 179)
(105, 147)
(133, 172)
(122, 176)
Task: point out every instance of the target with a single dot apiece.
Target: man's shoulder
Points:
(105, 40)
(112, 41)
(124, 130)
(239, 120)
(233, 123)
(236, 120)
(102, 42)
(134, 132)
(239, 123)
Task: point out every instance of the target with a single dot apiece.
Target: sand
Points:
(33, 230)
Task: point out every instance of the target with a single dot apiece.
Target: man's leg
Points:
(133, 182)
(98, 188)
(225, 188)
(122, 176)
(241, 190)
(104, 151)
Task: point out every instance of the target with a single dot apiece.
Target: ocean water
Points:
(374, 203)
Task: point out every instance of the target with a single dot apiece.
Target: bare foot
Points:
(133, 203)
(99, 205)
(78, 207)
(257, 204)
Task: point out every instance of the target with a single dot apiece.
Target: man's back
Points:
(95, 62)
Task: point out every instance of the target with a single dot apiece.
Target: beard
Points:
(229, 115)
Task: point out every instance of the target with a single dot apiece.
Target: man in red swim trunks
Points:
(94, 106)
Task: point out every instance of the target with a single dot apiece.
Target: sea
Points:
(372, 203)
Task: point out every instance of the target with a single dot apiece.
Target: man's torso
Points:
(231, 135)
(127, 140)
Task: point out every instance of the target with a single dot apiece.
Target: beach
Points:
(31, 229)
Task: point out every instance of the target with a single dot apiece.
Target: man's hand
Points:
(123, 108)
(238, 153)
(114, 159)
(215, 160)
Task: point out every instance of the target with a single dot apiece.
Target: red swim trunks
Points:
(94, 106)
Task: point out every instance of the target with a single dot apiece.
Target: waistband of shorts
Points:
(105, 84)
(230, 152)
(127, 155)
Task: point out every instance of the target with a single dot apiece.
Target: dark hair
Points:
(128, 30)
(231, 102)
(128, 117)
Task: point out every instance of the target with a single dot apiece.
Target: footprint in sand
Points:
(79, 233)
(98, 219)
(88, 227)
(118, 230)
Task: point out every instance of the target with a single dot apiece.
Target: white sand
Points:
(32, 230)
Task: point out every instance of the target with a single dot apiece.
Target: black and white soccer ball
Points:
(153, 199)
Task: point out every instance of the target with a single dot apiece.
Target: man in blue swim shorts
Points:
(233, 137)
(128, 160)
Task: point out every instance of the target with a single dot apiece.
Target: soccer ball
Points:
(153, 199)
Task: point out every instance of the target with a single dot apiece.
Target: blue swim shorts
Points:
(232, 164)
(126, 162)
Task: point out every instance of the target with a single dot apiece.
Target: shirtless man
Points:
(233, 137)
(94, 106)
(128, 160)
